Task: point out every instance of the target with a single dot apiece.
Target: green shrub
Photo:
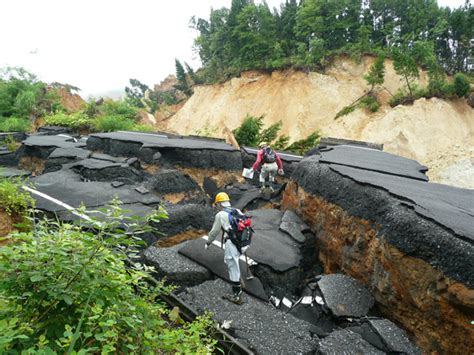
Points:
(13, 199)
(448, 90)
(400, 97)
(119, 108)
(302, 146)
(14, 124)
(421, 92)
(371, 103)
(249, 131)
(65, 290)
(462, 87)
(345, 111)
(281, 143)
(72, 120)
(270, 134)
(111, 123)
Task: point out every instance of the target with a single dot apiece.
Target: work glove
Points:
(206, 246)
(281, 172)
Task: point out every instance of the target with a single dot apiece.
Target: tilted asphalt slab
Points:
(52, 141)
(345, 296)
(449, 206)
(213, 260)
(395, 338)
(374, 160)
(67, 187)
(346, 342)
(76, 153)
(270, 246)
(175, 267)
(150, 140)
(258, 325)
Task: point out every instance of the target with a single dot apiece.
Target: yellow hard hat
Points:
(221, 197)
(262, 144)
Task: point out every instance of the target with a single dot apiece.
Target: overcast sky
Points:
(97, 45)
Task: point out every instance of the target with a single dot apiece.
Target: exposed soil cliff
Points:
(438, 133)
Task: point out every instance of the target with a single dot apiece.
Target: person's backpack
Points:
(269, 155)
(241, 231)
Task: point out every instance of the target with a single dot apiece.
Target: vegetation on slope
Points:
(307, 34)
(251, 133)
(65, 289)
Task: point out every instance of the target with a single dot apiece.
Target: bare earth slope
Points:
(437, 133)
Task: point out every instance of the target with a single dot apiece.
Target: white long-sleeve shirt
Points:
(221, 222)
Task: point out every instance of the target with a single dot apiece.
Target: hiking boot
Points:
(237, 299)
(272, 190)
(263, 189)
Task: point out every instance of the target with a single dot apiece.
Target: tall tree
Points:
(182, 80)
(136, 93)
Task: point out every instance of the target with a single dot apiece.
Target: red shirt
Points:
(259, 160)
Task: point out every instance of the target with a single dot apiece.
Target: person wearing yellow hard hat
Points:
(231, 253)
(270, 164)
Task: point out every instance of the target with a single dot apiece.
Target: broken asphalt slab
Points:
(269, 245)
(13, 172)
(346, 342)
(168, 181)
(452, 207)
(188, 152)
(186, 217)
(261, 327)
(43, 146)
(409, 214)
(374, 160)
(177, 268)
(293, 226)
(345, 296)
(393, 337)
(213, 260)
(66, 186)
(102, 170)
(74, 153)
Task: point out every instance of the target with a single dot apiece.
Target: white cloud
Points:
(99, 45)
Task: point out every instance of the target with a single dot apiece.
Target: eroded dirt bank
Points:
(417, 271)
(437, 133)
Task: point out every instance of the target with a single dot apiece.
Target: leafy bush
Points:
(119, 108)
(73, 120)
(111, 123)
(13, 199)
(65, 290)
(270, 134)
(345, 111)
(14, 124)
(371, 103)
(281, 142)
(302, 146)
(461, 85)
(400, 97)
(249, 131)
